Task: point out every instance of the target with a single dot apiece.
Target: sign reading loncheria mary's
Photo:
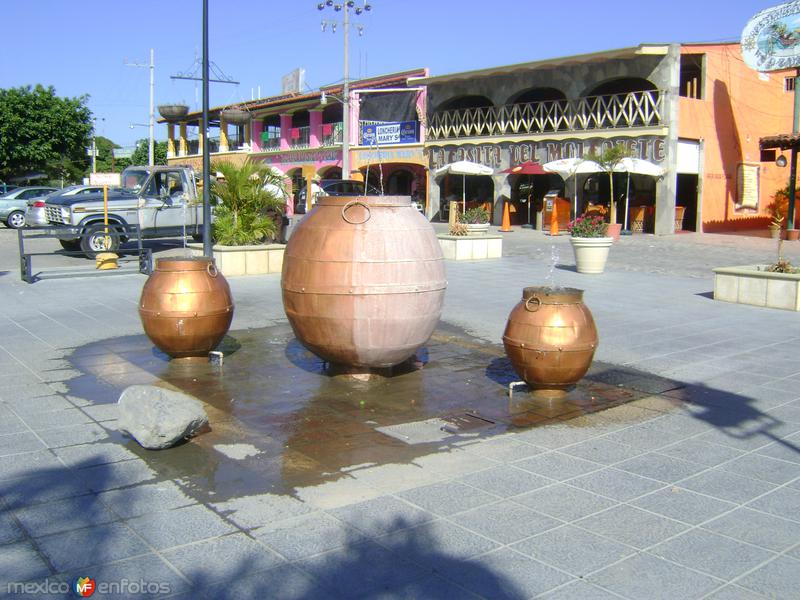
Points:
(771, 39)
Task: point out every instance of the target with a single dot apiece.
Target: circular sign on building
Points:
(771, 39)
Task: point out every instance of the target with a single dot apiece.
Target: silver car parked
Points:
(35, 213)
(14, 204)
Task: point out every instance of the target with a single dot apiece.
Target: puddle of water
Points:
(280, 421)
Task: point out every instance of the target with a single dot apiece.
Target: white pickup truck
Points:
(161, 200)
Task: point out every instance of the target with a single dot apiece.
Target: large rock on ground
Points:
(158, 418)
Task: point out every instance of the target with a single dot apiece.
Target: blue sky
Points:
(80, 46)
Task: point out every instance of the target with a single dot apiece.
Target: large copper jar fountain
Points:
(186, 306)
(363, 280)
(550, 338)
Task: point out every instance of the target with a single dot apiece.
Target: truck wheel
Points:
(95, 240)
(70, 245)
(16, 220)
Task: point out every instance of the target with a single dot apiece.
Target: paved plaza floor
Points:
(686, 486)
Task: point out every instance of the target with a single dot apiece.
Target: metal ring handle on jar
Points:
(354, 203)
(211, 269)
(528, 304)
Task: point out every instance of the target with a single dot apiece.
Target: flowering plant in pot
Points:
(590, 242)
(476, 220)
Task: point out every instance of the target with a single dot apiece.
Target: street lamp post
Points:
(346, 6)
(151, 124)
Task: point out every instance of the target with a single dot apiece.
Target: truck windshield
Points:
(133, 179)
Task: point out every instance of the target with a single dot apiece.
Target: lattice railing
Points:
(635, 109)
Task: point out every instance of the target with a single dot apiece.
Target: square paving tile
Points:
(505, 521)
(556, 436)
(432, 586)
(92, 546)
(645, 437)
(18, 443)
(783, 502)
(116, 475)
(57, 418)
(602, 451)
(565, 502)
(21, 562)
(632, 526)
(573, 550)
(764, 468)
(645, 576)
(683, 505)
(222, 558)
(711, 553)
(447, 498)
(505, 574)
(149, 568)
(616, 484)
(98, 453)
(178, 526)
(782, 450)
(753, 527)
(59, 437)
(579, 590)
(141, 499)
(63, 515)
(505, 481)
(777, 579)
(727, 486)
(258, 510)
(504, 449)
(734, 592)
(556, 465)
(382, 515)
(660, 466)
(307, 535)
(704, 453)
(285, 582)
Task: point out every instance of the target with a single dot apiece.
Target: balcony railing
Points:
(635, 109)
(300, 137)
(333, 137)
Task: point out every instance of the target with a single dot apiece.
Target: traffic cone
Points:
(506, 226)
(554, 219)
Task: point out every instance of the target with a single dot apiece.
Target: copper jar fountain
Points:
(550, 338)
(363, 280)
(186, 306)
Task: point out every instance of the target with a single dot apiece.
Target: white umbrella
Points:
(464, 168)
(637, 166)
(567, 167)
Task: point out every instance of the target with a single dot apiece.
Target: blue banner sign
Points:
(389, 133)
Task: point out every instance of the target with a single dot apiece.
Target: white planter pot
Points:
(591, 253)
(477, 228)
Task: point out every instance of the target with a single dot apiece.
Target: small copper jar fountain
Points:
(186, 306)
(550, 338)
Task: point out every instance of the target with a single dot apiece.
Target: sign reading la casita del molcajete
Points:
(771, 39)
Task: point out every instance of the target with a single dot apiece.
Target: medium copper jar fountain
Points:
(550, 338)
(186, 306)
(363, 280)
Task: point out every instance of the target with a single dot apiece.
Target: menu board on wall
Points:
(747, 186)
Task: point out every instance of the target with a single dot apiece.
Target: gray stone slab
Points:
(256, 511)
(713, 554)
(602, 451)
(505, 574)
(645, 437)
(616, 484)
(28, 465)
(753, 527)
(447, 498)
(178, 526)
(60, 437)
(307, 535)
(138, 500)
(783, 502)
(579, 590)
(645, 576)
(64, 515)
(21, 562)
(56, 418)
(700, 452)
(9, 531)
(659, 466)
(505, 522)
(764, 468)
(102, 412)
(116, 475)
(382, 515)
(222, 559)
(556, 436)
(629, 525)
(784, 450)
(750, 436)
(564, 502)
(503, 449)
(285, 582)
(158, 577)
(97, 545)
(734, 592)
(574, 550)
(362, 569)
(727, 486)
(683, 505)
(558, 466)
(11, 423)
(429, 587)
(89, 455)
(777, 579)
(19, 443)
(43, 401)
(505, 481)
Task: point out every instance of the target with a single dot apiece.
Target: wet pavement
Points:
(671, 471)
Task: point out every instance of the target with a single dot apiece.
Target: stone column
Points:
(286, 126)
(315, 128)
(170, 140)
(247, 135)
(183, 146)
(223, 134)
(201, 139)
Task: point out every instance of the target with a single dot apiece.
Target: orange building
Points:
(724, 108)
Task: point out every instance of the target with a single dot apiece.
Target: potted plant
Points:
(608, 160)
(590, 242)
(476, 220)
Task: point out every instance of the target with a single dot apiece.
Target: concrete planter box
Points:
(748, 285)
(472, 247)
(245, 260)
(477, 228)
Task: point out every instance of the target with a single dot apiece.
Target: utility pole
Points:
(346, 5)
(152, 67)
